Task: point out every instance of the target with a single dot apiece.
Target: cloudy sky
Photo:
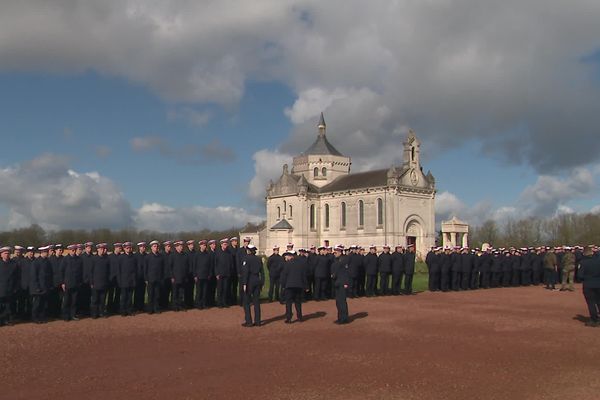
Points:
(174, 115)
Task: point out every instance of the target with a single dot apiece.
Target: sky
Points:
(174, 115)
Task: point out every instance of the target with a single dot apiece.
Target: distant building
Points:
(320, 200)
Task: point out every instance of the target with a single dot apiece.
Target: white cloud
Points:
(267, 166)
(162, 218)
(595, 209)
(45, 191)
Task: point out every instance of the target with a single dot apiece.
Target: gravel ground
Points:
(513, 343)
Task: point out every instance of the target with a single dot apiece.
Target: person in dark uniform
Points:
(212, 280)
(496, 269)
(362, 274)
(40, 283)
(166, 286)
(55, 301)
(85, 293)
(537, 266)
(355, 261)
(322, 274)
(154, 274)
(127, 277)
(8, 285)
(139, 292)
(233, 282)
(188, 286)
(456, 268)
(589, 274)
(71, 281)
(223, 268)
(485, 268)
(203, 272)
(476, 269)
(409, 268)
(114, 292)
(25, 265)
(466, 268)
(526, 261)
(180, 267)
(252, 280)
(312, 257)
(384, 266)
(294, 282)
(516, 268)
(99, 281)
(370, 264)
(397, 269)
(445, 268)
(274, 266)
(432, 260)
(340, 271)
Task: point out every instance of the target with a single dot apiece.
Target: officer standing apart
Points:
(341, 278)
(252, 280)
(294, 282)
(589, 274)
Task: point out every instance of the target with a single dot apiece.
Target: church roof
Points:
(357, 181)
(282, 225)
(321, 146)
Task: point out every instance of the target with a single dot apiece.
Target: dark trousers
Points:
(397, 282)
(506, 278)
(165, 293)
(354, 287)
(456, 279)
(549, 278)
(113, 297)
(274, 288)
(408, 280)
(179, 296)
(384, 283)
(293, 295)
(23, 304)
(153, 289)
(361, 290)
(371, 285)
(445, 281)
(341, 304)
(138, 295)
(188, 292)
(222, 291)
(54, 302)
(536, 276)
(252, 296)
(434, 281)
(465, 281)
(201, 293)
(516, 277)
(526, 277)
(212, 291)
(125, 304)
(320, 288)
(592, 298)
(69, 304)
(5, 310)
(232, 297)
(496, 279)
(84, 299)
(38, 307)
(98, 305)
(485, 279)
(474, 283)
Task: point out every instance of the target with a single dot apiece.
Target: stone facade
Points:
(320, 200)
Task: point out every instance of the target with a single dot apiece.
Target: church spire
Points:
(321, 125)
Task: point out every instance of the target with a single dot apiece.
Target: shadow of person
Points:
(273, 319)
(318, 314)
(356, 316)
(581, 318)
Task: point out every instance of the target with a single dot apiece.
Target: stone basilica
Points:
(320, 201)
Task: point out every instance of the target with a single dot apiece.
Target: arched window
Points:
(291, 214)
(412, 154)
(324, 171)
(361, 213)
(278, 212)
(343, 216)
(312, 216)
(284, 206)
(316, 172)
(379, 212)
(326, 215)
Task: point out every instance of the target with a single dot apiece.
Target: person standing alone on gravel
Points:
(589, 274)
(252, 278)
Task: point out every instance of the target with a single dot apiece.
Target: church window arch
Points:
(291, 213)
(326, 215)
(324, 171)
(361, 213)
(379, 211)
(312, 216)
(316, 172)
(412, 153)
(284, 206)
(278, 212)
(343, 215)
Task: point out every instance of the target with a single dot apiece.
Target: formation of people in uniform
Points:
(178, 275)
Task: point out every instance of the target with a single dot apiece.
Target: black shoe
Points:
(591, 323)
(288, 321)
(247, 325)
(300, 319)
(75, 319)
(258, 324)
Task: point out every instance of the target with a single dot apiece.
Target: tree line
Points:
(566, 229)
(35, 235)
